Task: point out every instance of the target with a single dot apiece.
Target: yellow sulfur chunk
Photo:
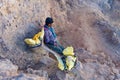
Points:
(68, 51)
(70, 62)
(29, 41)
(36, 39)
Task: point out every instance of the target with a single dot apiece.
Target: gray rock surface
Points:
(9, 71)
(91, 26)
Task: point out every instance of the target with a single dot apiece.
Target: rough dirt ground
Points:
(91, 26)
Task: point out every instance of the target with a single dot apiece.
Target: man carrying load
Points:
(50, 38)
(65, 56)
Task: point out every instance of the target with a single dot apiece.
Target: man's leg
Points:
(60, 46)
(55, 48)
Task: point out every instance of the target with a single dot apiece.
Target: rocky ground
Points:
(91, 26)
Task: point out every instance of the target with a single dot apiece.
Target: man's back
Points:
(50, 36)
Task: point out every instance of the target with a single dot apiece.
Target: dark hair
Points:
(48, 20)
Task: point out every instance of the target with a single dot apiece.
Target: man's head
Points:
(49, 21)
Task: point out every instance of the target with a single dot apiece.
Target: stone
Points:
(100, 78)
(115, 71)
(118, 76)
(1, 40)
(115, 38)
(112, 77)
(28, 77)
(47, 61)
(7, 67)
(61, 75)
(74, 24)
(41, 73)
(78, 65)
